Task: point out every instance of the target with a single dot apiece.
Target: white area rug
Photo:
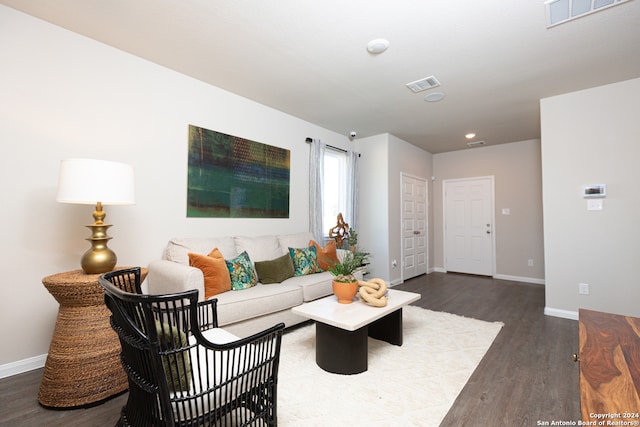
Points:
(412, 385)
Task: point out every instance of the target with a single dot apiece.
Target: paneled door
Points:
(414, 226)
(468, 225)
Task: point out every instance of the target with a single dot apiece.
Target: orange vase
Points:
(345, 292)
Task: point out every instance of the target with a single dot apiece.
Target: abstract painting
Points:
(233, 177)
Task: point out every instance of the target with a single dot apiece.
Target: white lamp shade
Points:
(87, 181)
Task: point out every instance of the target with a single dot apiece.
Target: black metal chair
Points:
(183, 370)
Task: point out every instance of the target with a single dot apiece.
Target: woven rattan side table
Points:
(83, 365)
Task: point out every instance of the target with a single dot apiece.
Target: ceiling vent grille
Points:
(423, 84)
(475, 143)
(561, 11)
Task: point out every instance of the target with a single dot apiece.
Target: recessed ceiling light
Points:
(434, 97)
(470, 135)
(377, 46)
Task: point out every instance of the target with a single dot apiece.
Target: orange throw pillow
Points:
(327, 256)
(216, 273)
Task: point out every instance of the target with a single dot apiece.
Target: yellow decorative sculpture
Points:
(373, 292)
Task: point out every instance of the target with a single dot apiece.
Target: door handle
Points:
(416, 232)
(488, 231)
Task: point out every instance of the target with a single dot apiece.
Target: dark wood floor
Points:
(527, 376)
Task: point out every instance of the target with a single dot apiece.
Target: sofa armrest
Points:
(168, 277)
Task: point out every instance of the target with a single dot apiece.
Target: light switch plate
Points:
(595, 204)
(583, 288)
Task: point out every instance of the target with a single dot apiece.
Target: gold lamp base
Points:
(99, 258)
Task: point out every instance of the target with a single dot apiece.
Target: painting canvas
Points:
(233, 177)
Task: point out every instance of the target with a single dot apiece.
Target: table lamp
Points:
(99, 182)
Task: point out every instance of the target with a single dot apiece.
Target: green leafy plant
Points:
(343, 271)
(352, 237)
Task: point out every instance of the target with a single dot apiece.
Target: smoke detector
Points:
(377, 46)
(423, 84)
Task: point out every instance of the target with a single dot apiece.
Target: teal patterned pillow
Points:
(305, 261)
(241, 270)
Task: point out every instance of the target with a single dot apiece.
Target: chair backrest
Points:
(176, 374)
(149, 328)
(127, 279)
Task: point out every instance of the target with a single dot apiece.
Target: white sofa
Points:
(246, 311)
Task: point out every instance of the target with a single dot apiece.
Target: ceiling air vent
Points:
(475, 143)
(423, 84)
(561, 11)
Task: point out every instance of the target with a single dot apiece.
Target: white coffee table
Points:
(342, 329)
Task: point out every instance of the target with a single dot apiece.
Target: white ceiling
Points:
(494, 58)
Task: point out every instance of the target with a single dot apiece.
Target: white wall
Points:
(411, 160)
(384, 158)
(64, 96)
(374, 202)
(518, 187)
(592, 137)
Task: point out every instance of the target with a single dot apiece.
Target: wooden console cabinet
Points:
(609, 367)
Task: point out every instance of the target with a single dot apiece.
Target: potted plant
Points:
(352, 239)
(345, 285)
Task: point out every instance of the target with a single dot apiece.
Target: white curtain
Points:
(316, 174)
(351, 208)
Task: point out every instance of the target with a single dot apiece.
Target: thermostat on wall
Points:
(595, 191)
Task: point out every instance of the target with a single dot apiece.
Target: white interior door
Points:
(468, 222)
(414, 226)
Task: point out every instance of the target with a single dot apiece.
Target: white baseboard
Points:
(565, 314)
(20, 366)
(395, 282)
(519, 279)
(501, 277)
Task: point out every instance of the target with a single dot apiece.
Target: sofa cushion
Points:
(178, 248)
(327, 256)
(261, 248)
(177, 367)
(297, 240)
(214, 270)
(313, 286)
(305, 261)
(257, 301)
(241, 271)
(275, 270)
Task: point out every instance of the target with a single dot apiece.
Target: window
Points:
(334, 188)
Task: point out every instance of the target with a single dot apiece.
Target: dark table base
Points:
(346, 352)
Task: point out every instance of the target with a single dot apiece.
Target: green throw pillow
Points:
(305, 261)
(241, 270)
(276, 270)
(177, 366)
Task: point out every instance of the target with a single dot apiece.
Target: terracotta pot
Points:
(345, 292)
